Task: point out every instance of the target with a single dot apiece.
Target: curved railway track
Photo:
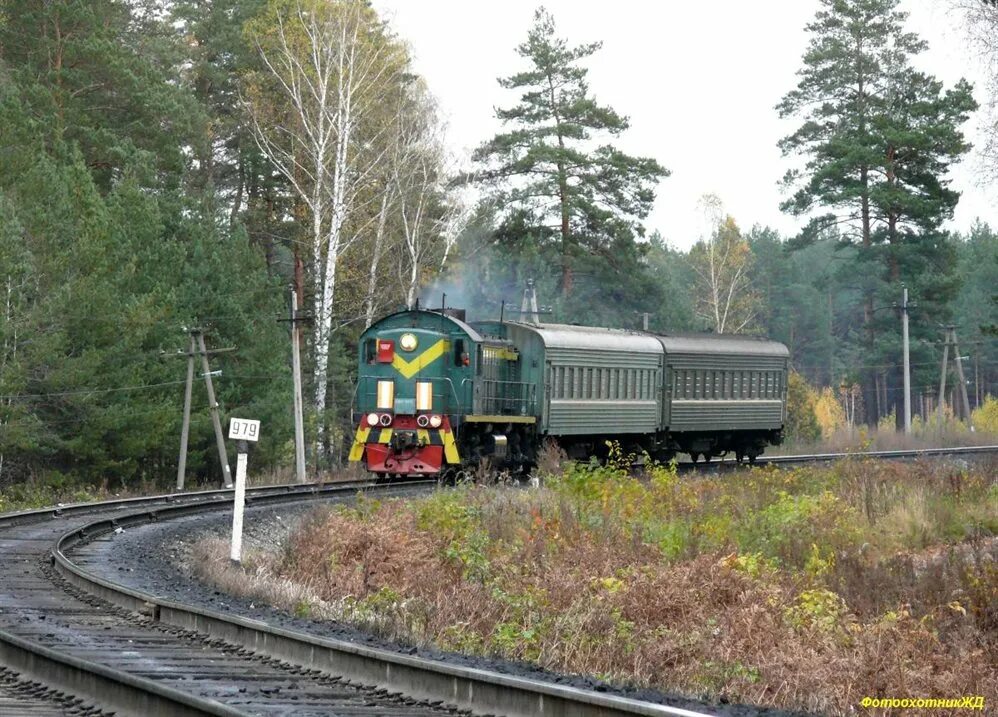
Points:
(74, 643)
(80, 644)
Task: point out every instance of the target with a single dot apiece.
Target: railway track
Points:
(75, 643)
(965, 451)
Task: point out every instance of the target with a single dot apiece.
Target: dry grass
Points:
(805, 589)
(885, 437)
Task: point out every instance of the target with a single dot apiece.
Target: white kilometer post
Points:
(242, 430)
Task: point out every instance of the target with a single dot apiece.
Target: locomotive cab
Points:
(434, 394)
(414, 372)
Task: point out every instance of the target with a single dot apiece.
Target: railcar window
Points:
(371, 350)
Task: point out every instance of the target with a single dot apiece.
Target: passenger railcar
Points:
(436, 394)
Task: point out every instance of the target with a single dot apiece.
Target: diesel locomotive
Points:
(436, 395)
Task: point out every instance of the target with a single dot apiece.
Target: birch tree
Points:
(981, 19)
(314, 114)
(416, 166)
(721, 260)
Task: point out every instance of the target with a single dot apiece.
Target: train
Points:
(436, 395)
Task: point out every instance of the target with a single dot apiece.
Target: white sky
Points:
(698, 81)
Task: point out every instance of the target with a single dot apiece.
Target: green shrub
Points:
(788, 528)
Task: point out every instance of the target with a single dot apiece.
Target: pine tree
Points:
(98, 73)
(546, 164)
(878, 136)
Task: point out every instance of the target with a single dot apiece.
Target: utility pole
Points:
(296, 369)
(294, 318)
(962, 379)
(942, 380)
(186, 429)
(197, 347)
(907, 364)
(959, 394)
(213, 408)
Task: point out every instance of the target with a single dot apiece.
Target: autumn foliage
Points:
(806, 589)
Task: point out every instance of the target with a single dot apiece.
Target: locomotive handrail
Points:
(527, 403)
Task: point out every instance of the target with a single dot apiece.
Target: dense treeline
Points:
(169, 164)
(142, 193)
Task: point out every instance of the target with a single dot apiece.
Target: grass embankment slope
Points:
(808, 588)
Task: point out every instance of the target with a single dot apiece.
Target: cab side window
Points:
(461, 357)
(371, 350)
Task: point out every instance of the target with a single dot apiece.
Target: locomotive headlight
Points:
(408, 342)
(386, 419)
(372, 419)
(423, 421)
(435, 421)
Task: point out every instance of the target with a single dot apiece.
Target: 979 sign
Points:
(244, 429)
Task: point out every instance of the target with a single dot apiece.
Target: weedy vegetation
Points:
(807, 588)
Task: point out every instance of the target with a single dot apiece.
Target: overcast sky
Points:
(698, 81)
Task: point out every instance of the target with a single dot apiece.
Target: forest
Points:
(173, 165)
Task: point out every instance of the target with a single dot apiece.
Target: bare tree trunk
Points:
(372, 275)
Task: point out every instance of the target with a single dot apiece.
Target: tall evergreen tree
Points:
(878, 136)
(546, 163)
(100, 76)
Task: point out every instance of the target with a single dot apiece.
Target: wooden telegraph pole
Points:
(299, 407)
(960, 393)
(213, 408)
(907, 364)
(186, 429)
(295, 319)
(197, 348)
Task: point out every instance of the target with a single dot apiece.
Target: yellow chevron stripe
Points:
(357, 449)
(424, 436)
(386, 435)
(450, 448)
(410, 368)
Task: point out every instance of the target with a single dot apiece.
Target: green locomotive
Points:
(436, 394)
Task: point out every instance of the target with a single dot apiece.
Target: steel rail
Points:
(117, 689)
(474, 689)
(828, 457)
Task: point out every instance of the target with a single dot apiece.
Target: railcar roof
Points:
(570, 336)
(398, 317)
(721, 344)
